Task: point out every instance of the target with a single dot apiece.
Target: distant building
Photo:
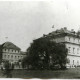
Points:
(72, 41)
(11, 52)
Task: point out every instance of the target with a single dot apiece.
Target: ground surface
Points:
(46, 74)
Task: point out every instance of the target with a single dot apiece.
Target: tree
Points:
(42, 49)
(7, 69)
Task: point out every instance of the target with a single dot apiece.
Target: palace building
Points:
(71, 39)
(11, 52)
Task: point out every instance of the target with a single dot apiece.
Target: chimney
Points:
(65, 28)
(72, 30)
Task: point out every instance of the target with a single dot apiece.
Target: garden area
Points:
(73, 73)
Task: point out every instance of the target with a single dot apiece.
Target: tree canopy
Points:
(43, 53)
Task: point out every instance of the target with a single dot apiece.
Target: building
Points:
(11, 52)
(71, 39)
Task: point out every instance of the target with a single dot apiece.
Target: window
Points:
(77, 62)
(8, 56)
(68, 60)
(74, 39)
(73, 50)
(12, 50)
(77, 50)
(18, 56)
(69, 49)
(11, 56)
(5, 49)
(69, 39)
(15, 50)
(73, 62)
(8, 49)
(15, 56)
(18, 51)
(4, 56)
(78, 40)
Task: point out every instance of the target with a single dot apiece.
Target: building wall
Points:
(59, 39)
(72, 40)
(11, 51)
(73, 46)
(73, 49)
(12, 55)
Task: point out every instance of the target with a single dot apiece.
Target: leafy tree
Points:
(43, 51)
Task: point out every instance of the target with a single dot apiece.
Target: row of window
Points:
(78, 40)
(11, 56)
(73, 62)
(73, 49)
(11, 50)
(77, 62)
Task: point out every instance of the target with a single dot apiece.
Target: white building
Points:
(72, 42)
(11, 52)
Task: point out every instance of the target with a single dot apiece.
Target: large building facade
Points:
(11, 52)
(71, 39)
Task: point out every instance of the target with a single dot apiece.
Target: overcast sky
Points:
(24, 21)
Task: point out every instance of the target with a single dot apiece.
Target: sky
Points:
(24, 21)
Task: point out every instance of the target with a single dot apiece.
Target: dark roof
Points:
(10, 45)
(64, 32)
(23, 52)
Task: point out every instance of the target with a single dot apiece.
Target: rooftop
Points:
(64, 32)
(10, 45)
